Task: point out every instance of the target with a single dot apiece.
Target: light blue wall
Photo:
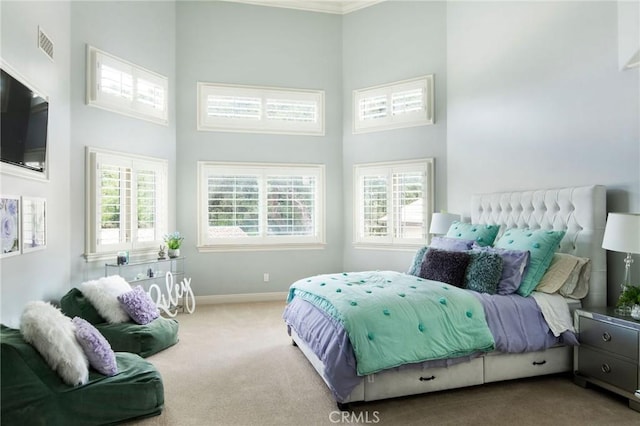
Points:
(44, 274)
(224, 42)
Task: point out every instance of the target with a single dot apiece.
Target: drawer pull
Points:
(605, 368)
(606, 337)
(543, 362)
(426, 379)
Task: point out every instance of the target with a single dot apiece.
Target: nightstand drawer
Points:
(609, 337)
(607, 368)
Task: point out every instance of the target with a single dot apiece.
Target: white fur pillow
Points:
(53, 335)
(103, 294)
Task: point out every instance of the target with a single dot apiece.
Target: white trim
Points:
(334, 7)
(242, 298)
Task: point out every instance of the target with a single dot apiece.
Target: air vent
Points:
(45, 44)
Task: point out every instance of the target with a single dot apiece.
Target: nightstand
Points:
(609, 352)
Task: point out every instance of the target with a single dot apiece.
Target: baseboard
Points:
(242, 298)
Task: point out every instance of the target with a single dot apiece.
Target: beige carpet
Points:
(235, 365)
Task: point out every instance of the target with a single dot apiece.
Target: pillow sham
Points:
(445, 266)
(53, 335)
(416, 263)
(581, 288)
(514, 263)
(483, 235)
(103, 293)
(483, 272)
(451, 244)
(96, 348)
(559, 272)
(541, 244)
(139, 305)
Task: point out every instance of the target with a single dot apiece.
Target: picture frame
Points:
(10, 229)
(34, 224)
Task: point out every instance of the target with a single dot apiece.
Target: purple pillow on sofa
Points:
(514, 263)
(138, 304)
(451, 244)
(96, 348)
(445, 266)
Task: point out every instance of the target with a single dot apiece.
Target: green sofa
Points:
(33, 394)
(144, 340)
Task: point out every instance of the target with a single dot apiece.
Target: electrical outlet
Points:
(265, 277)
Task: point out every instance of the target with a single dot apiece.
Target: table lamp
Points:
(440, 222)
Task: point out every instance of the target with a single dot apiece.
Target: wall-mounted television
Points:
(25, 114)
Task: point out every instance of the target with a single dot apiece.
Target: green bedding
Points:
(33, 394)
(394, 319)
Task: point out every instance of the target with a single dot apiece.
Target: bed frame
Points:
(581, 212)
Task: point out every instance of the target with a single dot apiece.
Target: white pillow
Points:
(103, 295)
(53, 335)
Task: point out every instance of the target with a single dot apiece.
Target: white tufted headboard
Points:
(580, 211)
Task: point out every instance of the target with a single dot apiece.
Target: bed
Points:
(356, 366)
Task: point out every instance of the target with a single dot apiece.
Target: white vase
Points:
(635, 312)
(174, 252)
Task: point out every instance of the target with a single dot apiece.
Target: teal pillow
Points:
(484, 272)
(483, 235)
(542, 245)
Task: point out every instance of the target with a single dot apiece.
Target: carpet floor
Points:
(235, 365)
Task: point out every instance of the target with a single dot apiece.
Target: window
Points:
(393, 203)
(260, 206)
(260, 109)
(127, 203)
(120, 86)
(391, 106)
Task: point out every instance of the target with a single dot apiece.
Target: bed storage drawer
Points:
(411, 381)
(499, 366)
(608, 368)
(612, 338)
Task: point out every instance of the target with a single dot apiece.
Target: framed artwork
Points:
(10, 225)
(34, 224)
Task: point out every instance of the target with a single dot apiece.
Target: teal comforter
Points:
(394, 318)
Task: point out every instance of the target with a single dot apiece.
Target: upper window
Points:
(260, 109)
(127, 203)
(391, 106)
(393, 203)
(120, 86)
(260, 206)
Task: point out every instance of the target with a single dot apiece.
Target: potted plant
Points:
(628, 300)
(174, 241)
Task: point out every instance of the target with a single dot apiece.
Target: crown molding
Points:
(323, 6)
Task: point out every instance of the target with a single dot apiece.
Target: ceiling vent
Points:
(45, 44)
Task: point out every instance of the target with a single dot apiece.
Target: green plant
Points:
(173, 240)
(629, 297)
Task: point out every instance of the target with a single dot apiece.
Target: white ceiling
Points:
(325, 6)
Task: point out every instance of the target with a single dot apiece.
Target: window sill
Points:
(259, 247)
(142, 254)
(388, 247)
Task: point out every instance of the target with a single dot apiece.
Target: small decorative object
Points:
(174, 241)
(635, 312)
(622, 233)
(123, 258)
(628, 300)
(162, 255)
(150, 273)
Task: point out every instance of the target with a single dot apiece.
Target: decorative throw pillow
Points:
(482, 234)
(558, 273)
(451, 244)
(484, 272)
(578, 288)
(416, 263)
(103, 295)
(53, 335)
(96, 348)
(445, 266)
(514, 263)
(541, 244)
(139, 305)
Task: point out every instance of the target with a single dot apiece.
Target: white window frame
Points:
(385, 93)
(388, 169)
(261, 95)
(132, 107)
(93, 249)
(261, 242)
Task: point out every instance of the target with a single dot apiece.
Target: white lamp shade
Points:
(622, 233)
(440, 222)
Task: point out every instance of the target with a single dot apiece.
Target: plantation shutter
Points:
(375, 207)
(233, 206)
(291, 205)
(114, 204)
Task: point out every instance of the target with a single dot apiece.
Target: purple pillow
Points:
(514, 263)
(450, 244)
(96, 348)
(138, 304)
(445, 266)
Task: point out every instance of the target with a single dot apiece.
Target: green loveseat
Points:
(144, 340)
(33, 394)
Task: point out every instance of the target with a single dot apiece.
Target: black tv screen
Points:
(25, 114)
